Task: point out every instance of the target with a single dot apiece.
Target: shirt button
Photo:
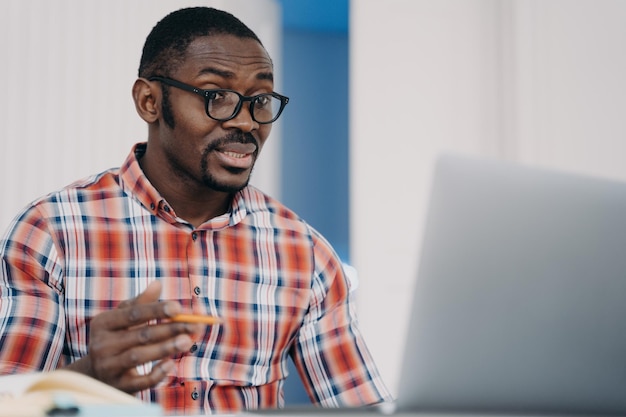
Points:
(196, 290)
(194, 347)
(194, 236)
(194, 395)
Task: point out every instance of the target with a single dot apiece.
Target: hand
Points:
(120, 339)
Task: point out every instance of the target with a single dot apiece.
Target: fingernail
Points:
(183, 342)
(167, 367)
(170, 309)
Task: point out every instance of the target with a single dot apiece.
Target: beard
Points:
(235, 137)
(210, 180)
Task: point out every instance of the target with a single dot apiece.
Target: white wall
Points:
(535, 81)
(65, 88)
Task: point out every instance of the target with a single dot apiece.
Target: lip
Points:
(238, 148)
(237, 155)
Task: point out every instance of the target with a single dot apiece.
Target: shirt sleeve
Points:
(32, 325)
(330, 353)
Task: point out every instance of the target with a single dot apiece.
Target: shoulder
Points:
(58, 204)
(266, 211)
(96, 186)
(261, 206)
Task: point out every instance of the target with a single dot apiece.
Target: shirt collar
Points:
(136, 184)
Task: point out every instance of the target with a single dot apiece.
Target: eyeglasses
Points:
(222, 105)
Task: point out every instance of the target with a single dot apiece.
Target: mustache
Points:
(233, 137)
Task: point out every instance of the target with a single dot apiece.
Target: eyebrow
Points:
(229, 74)
(265, 76)
(221, 73)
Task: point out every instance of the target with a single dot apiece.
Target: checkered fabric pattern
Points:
(274, 280)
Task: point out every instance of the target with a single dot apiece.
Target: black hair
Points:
(167, 43)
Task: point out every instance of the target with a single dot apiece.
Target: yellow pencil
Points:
(196, 318)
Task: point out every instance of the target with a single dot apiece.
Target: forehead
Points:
(227, 53)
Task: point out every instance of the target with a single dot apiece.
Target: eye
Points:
(217, 96)
(263, 101)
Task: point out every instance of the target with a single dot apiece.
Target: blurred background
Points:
(378, 90)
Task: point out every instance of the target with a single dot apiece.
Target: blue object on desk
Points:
(66, 406)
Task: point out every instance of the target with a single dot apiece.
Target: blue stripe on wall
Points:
(314, 154)
(315, 132)
(315, 125)
(316, 15)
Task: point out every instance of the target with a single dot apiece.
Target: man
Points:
(92, 275)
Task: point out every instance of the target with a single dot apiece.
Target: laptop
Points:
(519, 304)
(520, 298)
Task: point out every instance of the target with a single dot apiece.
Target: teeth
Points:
(235, 155)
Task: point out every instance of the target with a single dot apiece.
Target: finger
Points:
(133, 382)
(153, 334)
(112, 367)
(112, 345)
(150, 294)
(133, 315)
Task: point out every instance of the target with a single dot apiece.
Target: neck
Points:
(192, 202)
(197, 210)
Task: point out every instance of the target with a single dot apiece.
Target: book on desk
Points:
(67, 393)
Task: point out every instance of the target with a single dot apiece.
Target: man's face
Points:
(199, 150)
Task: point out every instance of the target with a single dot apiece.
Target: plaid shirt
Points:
(274, 280)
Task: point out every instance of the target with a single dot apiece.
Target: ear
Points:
(146, 95)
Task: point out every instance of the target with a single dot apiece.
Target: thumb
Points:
(150, 294)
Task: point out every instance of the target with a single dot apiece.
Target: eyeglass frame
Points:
(206, 93)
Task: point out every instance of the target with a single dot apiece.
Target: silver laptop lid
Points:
(520, 299)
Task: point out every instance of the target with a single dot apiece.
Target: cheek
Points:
(190, 112)
(195, 121)
(195, 129)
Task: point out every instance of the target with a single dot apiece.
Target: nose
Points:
(243, 120)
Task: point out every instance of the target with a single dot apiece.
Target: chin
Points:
(230, 181)
(230, 188)
(227, 187)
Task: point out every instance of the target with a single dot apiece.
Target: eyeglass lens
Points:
(223, 104)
